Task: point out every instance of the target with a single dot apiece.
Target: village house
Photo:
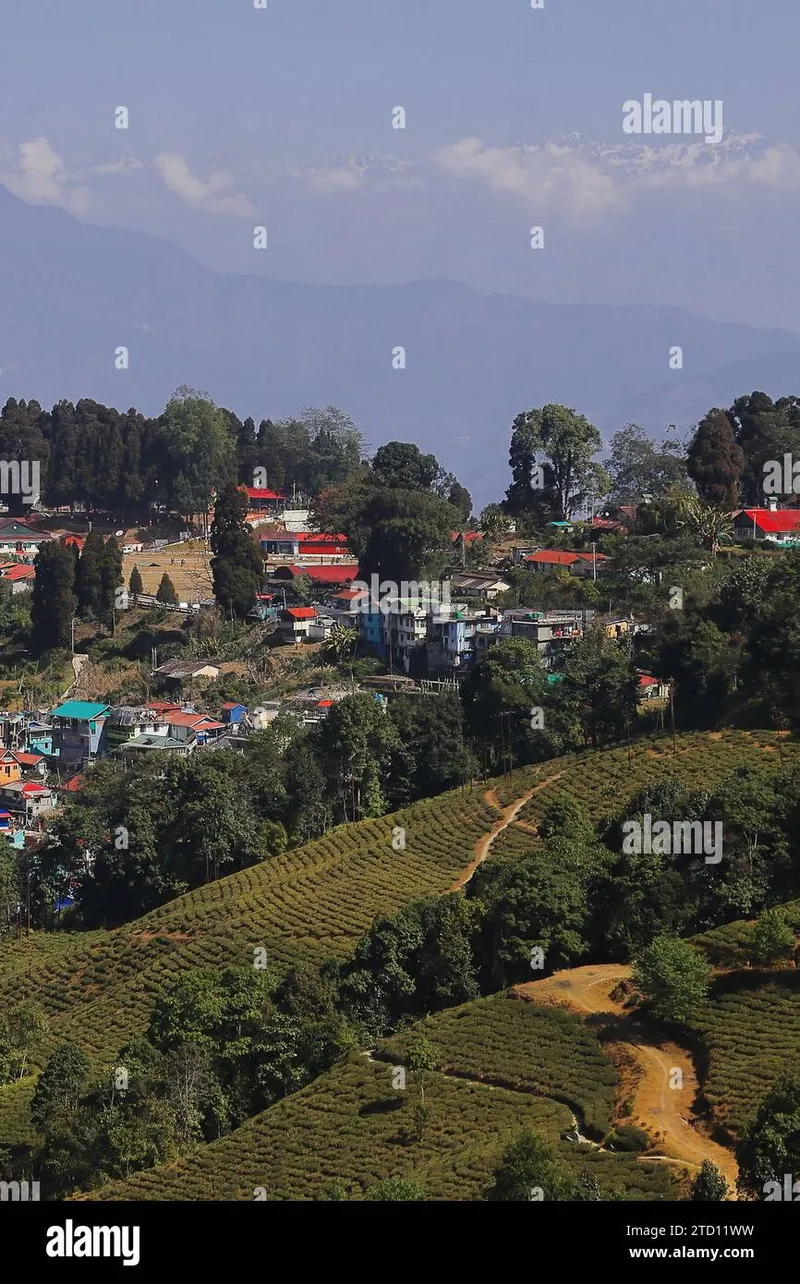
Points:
(314, 548)
(14, 764)
(163, 744)
(79, 732)
(344, 607)
(197, 727)
(27, 800)
(618, 519)
(770, 523)
(181, 670)
(232, 713)
(127, 722)
(23, 540)
(450, 641)
(553, 633)
(650, 688)
(483, 586)
(261, 500)
(322, 577)
(296, 622)
(21, 577)
(70, 540)
(582, 565)
(277, 542)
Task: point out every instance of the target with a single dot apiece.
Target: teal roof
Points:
(85, 710)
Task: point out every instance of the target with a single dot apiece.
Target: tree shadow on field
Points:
(387, 1106)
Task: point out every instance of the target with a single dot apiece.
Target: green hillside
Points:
(750, 1030)
(317, 902)
(506, 1041)
(353, 1128)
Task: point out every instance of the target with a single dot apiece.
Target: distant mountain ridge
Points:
(73, 293)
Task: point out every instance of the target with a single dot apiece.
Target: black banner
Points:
(76, 1237)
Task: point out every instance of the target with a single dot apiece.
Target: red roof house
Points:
(759, 523)
(547, 559)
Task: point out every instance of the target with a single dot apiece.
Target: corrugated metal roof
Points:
(85, 710)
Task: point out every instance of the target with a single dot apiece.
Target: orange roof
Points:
(72, 786)
(302, 612)
(557, 557)
(552, 557)
(18, 572)
(261, 492)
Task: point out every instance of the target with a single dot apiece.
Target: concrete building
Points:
(80, 732)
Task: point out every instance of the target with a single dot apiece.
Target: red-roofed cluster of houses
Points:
(580, 564)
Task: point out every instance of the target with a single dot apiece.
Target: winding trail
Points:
(657, 1106)
(507, 816)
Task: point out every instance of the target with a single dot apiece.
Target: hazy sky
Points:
(241, 117)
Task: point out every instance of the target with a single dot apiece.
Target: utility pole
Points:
(594, 561)
(672, 711)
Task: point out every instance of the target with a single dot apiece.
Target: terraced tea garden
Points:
(731, 946)
(750, 1029)
(312, 903)
(317, 901)
(601, 782)
(351, 1129)
(507, 1041)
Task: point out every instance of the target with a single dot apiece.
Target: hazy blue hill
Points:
(72, 293)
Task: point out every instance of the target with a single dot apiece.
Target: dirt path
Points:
(78, 662)
(657, 1107)
(507, 816)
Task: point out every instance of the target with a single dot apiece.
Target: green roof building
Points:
(79, 732)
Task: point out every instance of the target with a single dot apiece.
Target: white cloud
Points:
(356, 172)
(587, 180)
(541, 177)
(40, 178)
(214, 196)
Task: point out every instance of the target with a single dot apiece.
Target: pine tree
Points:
(54, 602)
(135, 585)
(166, 591)
(88, 581)
(236, 568)
(110, 579)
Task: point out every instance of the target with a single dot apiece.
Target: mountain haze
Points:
(73, 293)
